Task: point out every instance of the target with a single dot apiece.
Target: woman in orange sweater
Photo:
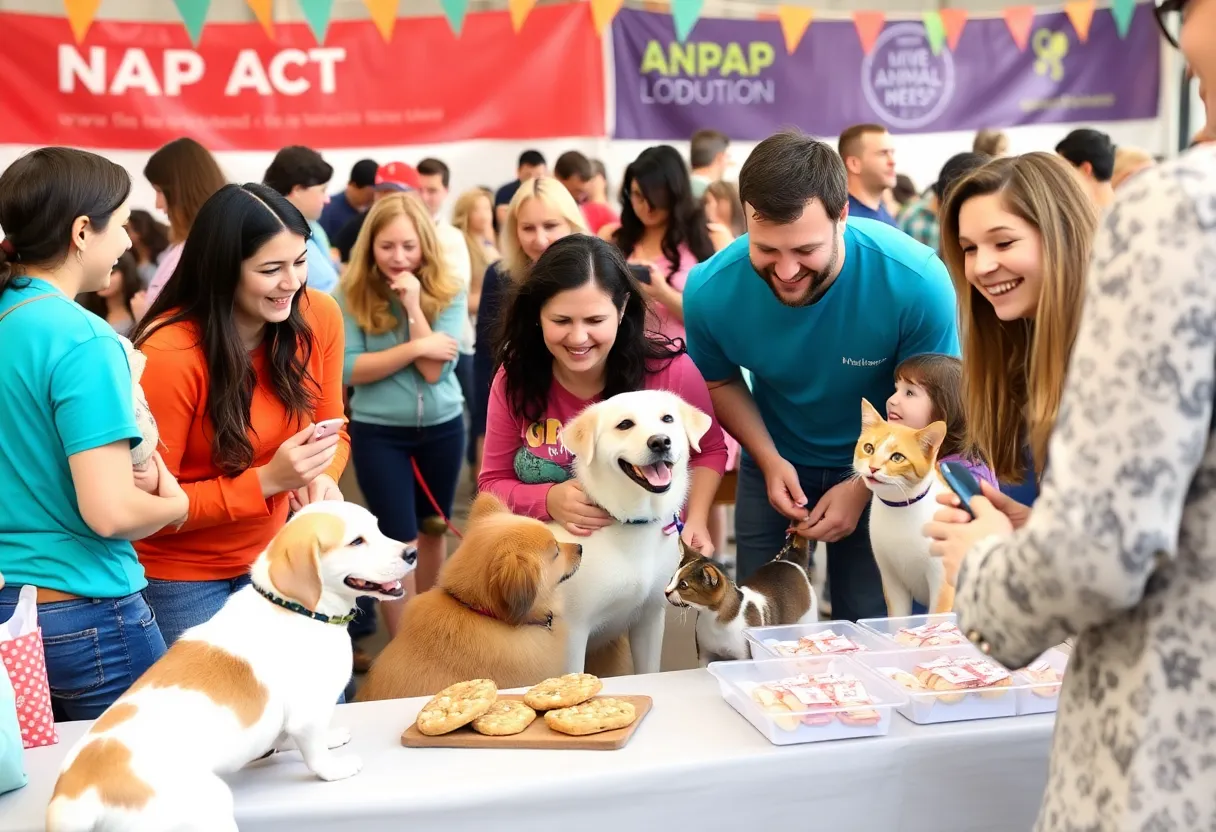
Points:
(243, 359)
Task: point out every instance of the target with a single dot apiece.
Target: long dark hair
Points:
(131, 284)
(42, 194)
(230, 228)
(570, 263)
(187, 175)
(663, 181)
(153, 236)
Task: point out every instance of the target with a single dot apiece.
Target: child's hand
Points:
(147, 478)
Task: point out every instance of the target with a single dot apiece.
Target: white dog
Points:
(631, 456)
(269, 667)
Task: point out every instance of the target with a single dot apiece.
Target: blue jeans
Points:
(95, 649)
(181, 605)
(760, 533)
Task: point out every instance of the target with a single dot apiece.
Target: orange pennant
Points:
(384, 15)
(656, 6)
(1020, 19)
(263, 10)
(794, 22)
(953, 20)
(767, 15)
(520, 9)
(869, 27)
(602, 12)
(80, 16)
(1081, 13)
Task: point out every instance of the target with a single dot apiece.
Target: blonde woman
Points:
(1016, 237)
(541, 212)
(404, 312)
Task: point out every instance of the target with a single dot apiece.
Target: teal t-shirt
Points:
(65, 385)
(811, 366)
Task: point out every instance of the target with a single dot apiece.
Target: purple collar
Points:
(924, 494)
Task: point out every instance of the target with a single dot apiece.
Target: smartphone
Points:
(640, 273)
(962, 482)
(326, 428)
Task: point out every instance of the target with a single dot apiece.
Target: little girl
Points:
(928, 388)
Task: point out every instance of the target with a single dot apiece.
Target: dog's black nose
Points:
(578, 549)
(409, 554)
(659, 443)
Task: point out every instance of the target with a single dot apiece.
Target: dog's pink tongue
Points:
(658, 474)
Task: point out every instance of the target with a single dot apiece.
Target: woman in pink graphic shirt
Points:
(573, 333)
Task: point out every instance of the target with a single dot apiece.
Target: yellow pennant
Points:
(602, 12)
(80, 16)
(520, 9)
(1081, 13)
(794, 22)
(263, 10)
(384, 15)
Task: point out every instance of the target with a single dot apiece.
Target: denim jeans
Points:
(95, 649)
(181, 605)
(760, 531)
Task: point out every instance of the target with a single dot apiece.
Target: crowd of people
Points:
(1067, 292)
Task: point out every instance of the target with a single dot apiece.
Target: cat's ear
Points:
(687, 553)
(869, 416)
(711, 576)
(578, 435)
(931, 438)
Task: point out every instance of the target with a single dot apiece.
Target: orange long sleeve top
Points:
(230, 522)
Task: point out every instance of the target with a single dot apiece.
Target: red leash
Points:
(434, 503)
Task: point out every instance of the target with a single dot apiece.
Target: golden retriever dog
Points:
(496, 612)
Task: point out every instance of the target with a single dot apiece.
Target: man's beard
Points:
(819, 283)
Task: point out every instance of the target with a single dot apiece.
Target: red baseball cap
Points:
(397, 176)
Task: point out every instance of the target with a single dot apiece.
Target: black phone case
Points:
(962, 482)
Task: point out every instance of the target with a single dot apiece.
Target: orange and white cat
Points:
(898, 465)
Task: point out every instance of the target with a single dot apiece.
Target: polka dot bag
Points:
(22, 656)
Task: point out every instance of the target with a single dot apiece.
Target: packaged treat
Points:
(938, 634)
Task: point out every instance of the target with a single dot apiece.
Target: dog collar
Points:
(547, 622)
(922, 496)
(674, 526)
(296, 607)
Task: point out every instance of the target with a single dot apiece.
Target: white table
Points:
(693, 764)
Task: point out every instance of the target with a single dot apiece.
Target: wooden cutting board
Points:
(538, 735)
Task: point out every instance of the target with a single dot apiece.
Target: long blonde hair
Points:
(462, 213)
(1013, 371)
(554, 194)
(368, 297)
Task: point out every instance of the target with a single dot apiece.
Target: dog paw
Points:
(337, 737)
(338, 767)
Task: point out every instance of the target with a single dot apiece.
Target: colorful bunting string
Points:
(794, 21)
(1020, 19)
(685, 14)
(194, 15)
(1081, 13)
(869, 27)
(954, 20)
(520, 9)
(318, 14)
(384, 15)
(80, 16)
(454, 11)
(602, 12)
(935, 31)
(1122, 11)
(263, 10)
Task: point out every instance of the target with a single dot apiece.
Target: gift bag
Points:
(22, 656)
(12, 754)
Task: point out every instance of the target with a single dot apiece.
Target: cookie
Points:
(505, 717)
(456, 706)
(860, 717)
(563, 691)
(592, 717)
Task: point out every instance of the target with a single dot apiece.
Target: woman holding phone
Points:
(244, 365)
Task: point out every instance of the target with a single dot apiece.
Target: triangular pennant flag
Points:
(384, 15)
(869, 27)
(1019, 19)
(765, 14)
(317, 13)
(520, 9)
(794, 22)
(685, 14)
(935, 31)
(454, 11)
(953, 20)
(80, 16)
(263, 10)
(194, 14)
(1122, 11)
(1081, 13)
(660, 6)
(602, 12)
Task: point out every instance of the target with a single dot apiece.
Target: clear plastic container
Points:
(1042, 697)
(764, 640)
(738, 679)
(890, 628)
(933, 706)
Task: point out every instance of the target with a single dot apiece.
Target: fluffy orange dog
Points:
(496, 612)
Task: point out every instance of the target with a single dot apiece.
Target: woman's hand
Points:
(408, 288)
(569, 505)
(1017, 513)
(147, 478)
(438, 345)
(657, 288)
(696, 536)
(297, 462)
(169, 488)
(952, 539)
(320, 489)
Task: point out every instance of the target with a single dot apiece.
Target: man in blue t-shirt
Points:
(820, 308)
(869, 158)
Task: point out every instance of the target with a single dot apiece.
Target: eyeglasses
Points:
(1169, 18)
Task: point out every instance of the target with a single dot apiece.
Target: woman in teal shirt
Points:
(71, 501)
(404, 313)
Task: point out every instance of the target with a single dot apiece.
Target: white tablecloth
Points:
(693, 764)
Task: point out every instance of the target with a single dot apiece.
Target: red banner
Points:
(138, 85)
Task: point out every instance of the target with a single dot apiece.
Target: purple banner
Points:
(736, 76)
